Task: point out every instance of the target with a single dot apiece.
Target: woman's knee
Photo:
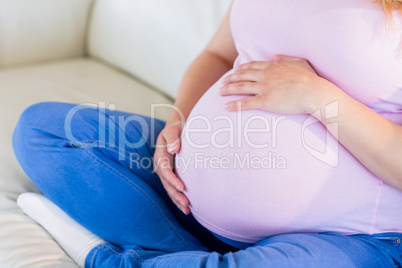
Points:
(37, 123)
(32, 115)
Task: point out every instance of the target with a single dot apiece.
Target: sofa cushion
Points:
(153, 37)
(41, 30)
(22, 242)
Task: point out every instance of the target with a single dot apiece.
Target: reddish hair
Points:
(390, 5)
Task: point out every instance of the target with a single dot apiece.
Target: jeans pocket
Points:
(394, 240)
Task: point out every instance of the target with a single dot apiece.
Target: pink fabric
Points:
(307, 182)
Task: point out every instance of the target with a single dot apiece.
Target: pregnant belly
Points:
(252, 174)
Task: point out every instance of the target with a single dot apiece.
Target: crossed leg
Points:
(96, 165)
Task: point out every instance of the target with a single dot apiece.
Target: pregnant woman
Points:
(291, 158)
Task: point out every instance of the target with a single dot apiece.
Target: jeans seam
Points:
(134, 254)
(127, 155)
(170, 256)
(137, 189)
(130, 252)
(107, 143)
(93, 256)
(391, 240)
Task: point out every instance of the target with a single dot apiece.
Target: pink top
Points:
(292, 175)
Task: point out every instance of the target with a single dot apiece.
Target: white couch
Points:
(130, 53)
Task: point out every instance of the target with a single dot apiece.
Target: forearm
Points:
(203, 72)
(374, 140)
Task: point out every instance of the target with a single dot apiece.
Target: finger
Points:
(176, 196)
(172, 138)
(243, 75)
(173, 191)
(242, 88)
(301, 62)
(169, 176)
(165, 171)
(162, 158)
(186, 210)
(245, 104)
(254, 65)
(183, 208)
(279, 57)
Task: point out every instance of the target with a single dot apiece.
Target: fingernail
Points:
(179, 189)
(221, 90)
(171, 148)
(226, 105)
(183, 210)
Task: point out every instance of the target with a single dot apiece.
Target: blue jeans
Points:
(96, 165)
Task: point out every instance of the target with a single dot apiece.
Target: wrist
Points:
(177, 116)
(325, 94)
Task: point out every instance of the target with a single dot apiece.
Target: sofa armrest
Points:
(40, 30)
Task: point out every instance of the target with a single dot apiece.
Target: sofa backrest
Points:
(42, 30)
(153, 40)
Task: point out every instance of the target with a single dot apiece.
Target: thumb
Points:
(279, 57)
(172, 138)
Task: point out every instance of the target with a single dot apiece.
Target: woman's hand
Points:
(286, 85)
(167, 145)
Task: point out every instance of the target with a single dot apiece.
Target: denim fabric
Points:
(96, 165)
